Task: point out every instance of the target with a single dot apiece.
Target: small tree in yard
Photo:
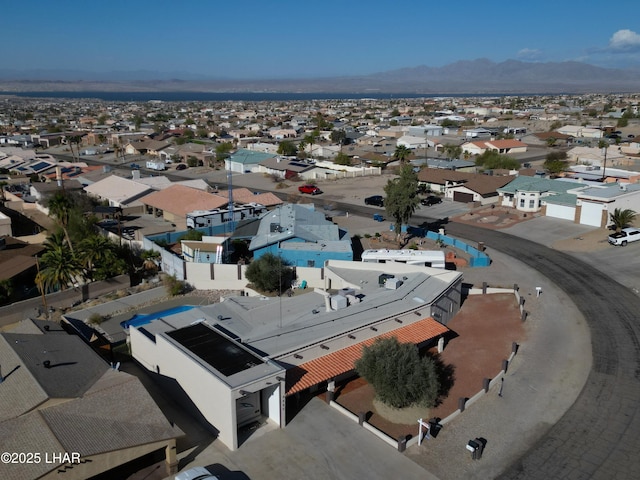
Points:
(556, 162)
(399, 375)
(270, 273)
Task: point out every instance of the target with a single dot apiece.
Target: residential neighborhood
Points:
(136, 237)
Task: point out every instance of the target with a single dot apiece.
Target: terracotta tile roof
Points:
(556, 135)
(336, 363)
(244, 195)
(506, 143)
(181, 200)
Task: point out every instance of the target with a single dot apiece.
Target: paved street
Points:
(595, 438)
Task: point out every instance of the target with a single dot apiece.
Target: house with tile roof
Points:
(481, 189)
(504, 147)
(244, 195)
(525, 194)
(545, 138)
(57, 395)
(248, 358)
(175, 202)
(120, 192)
(461, 186)
(301, 235)
(439, 180)
(145, 147)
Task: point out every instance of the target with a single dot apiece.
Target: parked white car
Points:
(196, 473)
(625, 236)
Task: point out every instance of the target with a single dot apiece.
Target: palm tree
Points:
(402, 153)
(151, 259)
(301, 146)
(310, 139)
(402, 199)
(96, 252)
(59, 266)
(622, 218)
(60, 206)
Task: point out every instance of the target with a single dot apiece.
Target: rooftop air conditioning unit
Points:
(338, 302)
(393, 283)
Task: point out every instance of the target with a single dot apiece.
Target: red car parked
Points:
(311, 189)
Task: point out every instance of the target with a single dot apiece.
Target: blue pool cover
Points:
(144, 318)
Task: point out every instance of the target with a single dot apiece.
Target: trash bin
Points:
(481, 442)
(434, 427)
(473, 447)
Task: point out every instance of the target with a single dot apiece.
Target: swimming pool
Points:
(144, 318)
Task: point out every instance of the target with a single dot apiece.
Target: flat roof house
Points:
(241, 359)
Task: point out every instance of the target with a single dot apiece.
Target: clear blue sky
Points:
(285, 38)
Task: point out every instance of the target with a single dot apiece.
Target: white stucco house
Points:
(578, 131)
(586, 203)
(526, 194)
(240, 361)
(504, 147)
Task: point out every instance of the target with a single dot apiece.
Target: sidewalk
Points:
(536, 393)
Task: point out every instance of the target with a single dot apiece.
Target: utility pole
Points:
(41, 288)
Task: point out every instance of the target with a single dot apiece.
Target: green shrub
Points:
(399, 375)
(175, 286)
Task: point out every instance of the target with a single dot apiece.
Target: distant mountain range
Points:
(468, 76)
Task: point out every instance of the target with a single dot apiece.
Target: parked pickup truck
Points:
(625, 236)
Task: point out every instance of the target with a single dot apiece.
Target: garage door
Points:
(564, 212)
(462, 197)
(248, 409)
(591, 214)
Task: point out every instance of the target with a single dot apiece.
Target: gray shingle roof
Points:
(28, 433)
(116, 413)
(19, 392)
(74, 367)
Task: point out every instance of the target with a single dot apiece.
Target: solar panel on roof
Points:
(40, 166)
(224, 355)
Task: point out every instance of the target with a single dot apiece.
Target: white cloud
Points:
(529, 54)
(624, 40)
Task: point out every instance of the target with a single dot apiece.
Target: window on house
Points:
(311, 263)
(532, 203)
(522, 202)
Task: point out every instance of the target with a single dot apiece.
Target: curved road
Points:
(599, 436)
